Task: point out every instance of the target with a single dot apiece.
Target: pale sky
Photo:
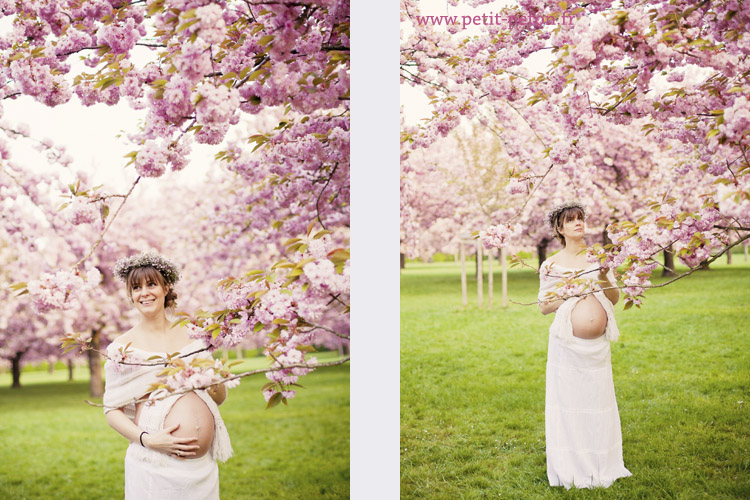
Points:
(90, 136)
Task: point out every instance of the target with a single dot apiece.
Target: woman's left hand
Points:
(218, 393)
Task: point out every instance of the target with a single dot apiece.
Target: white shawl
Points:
(549, 276)
(126, 383)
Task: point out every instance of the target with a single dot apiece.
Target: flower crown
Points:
(147, 259)
(555, 212)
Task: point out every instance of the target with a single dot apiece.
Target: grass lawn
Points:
(472, 389)
(55, 446)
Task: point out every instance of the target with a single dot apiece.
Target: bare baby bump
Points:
(195, 420)
(589, 319)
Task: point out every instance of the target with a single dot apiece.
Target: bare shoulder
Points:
(124, 338)
(181, 336)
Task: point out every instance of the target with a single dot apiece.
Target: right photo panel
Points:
(574, 230)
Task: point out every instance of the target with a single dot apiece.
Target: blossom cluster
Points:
(635, 245)
(229, 59)
(199, 373)
(500, 235)
(81, 210)
(286, 307)
(61, 290)
(123, 359)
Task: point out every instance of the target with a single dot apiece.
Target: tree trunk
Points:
(51, 366)
(541, 251)
(343, 349)
(70, 370)
(96, 384)
(668, 262)
(729, 256)
(476, 265)
(403, 261)
(16, 369)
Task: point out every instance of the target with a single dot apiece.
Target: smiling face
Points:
(570, 224)
(147, 289)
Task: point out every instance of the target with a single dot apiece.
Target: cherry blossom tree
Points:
(267, 84)
(676, 72)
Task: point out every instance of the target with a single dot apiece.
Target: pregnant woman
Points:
(175, 441)
(582, 424)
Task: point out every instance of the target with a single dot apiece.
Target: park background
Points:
(637, 110)
(472, 387)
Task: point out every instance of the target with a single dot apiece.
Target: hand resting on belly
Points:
(190, 421)
(195, 420)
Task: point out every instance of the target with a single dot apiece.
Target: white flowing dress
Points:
(151, 475)
(582, 423)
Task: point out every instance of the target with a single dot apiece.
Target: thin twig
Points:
(317, 202)
(315, 327)
(101, 236)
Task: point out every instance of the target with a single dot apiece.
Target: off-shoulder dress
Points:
(582, 422)
(150, 475)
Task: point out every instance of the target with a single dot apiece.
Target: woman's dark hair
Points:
(565, 215)
(149, 273)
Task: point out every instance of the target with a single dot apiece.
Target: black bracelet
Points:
(141, 438)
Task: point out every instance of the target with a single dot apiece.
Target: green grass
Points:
(55, 446)
(472, 389)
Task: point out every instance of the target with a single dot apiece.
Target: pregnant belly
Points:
(589, 319)
(195, 420)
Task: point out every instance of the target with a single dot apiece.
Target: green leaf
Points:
(265, 40)
(291, 241)
(275, 399)
(18, 286)
(187, 24)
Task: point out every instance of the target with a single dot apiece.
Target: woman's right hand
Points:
(164, 442)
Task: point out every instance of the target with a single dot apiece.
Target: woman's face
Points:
(148, 296)
(572, 226)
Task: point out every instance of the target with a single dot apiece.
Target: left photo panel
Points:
(175, 249)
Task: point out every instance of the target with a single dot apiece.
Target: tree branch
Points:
(316, 327)
(661, 285)
(235, 377)
(101, 236)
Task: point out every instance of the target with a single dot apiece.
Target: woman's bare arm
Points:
(122, 424)
(550, 306)
(614, 293)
